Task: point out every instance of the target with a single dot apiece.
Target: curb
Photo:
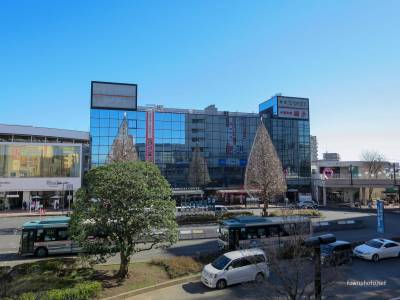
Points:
(158, 286)
(48, 214)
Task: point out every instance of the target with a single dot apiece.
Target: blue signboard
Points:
(380, 216)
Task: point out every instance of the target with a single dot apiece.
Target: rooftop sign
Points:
(111, 95)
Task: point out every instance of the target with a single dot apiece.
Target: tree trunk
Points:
(265, 208)
(123, 267)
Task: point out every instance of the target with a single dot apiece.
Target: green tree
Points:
(127, 208)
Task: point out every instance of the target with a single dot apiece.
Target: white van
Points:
(236, 267)
(220, 209)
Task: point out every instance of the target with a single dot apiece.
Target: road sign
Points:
(380, 216)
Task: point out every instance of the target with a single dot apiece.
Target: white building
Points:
(41, 166)
(314, 148)
(349, 182)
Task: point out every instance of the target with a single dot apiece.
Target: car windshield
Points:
(326, 249)
(221, 262)
(374, 244)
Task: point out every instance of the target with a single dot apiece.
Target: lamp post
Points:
(395, 183)
(316, 242)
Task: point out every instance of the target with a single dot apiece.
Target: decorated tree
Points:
(264, 173)
(124, 207)
(123, 147)
(198, 169)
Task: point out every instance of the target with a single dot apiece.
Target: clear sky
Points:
(343, 55)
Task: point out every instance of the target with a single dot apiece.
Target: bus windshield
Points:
(224, 233)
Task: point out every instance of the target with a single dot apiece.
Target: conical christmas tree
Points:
(198, 169)
(123, 147)
(264, 172)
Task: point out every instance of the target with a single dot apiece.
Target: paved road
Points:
(9, 242)
(359, 270)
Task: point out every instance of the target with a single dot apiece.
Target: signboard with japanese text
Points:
(380, 216)
(150, 136)
(293, 108)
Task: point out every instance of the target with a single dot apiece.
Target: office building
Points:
(175, 139)
(42, 165)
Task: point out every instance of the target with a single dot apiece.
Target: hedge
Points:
(82, 291)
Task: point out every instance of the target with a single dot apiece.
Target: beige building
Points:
(336, 183)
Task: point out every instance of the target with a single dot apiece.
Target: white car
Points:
(236, 267)
(377, 248)
(308, 204)
(221, 209)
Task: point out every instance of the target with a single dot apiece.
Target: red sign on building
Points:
(150, 136)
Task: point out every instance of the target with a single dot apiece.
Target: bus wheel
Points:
(41, 252)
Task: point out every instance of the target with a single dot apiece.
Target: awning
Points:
(187, 192)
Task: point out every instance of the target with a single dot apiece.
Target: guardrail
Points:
(337, 225)
(197, 233)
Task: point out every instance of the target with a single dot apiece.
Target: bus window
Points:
(62, 234)
(251, 233)
(50, 234)
(261, 232)
(273, 230)
(39, 235)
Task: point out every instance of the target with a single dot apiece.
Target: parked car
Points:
(376, 249)
(336, 253)
(309, 204)
(220, 209)
(236, 267)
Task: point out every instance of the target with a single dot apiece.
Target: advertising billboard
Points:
(293, 108)
(110, 95)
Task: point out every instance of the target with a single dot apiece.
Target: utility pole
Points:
(395, 183)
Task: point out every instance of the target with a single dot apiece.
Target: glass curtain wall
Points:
(39, 161)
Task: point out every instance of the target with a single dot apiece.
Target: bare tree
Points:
(264, 169)
(123, 147)
(374, 163)
(291, 269)
(198, 169)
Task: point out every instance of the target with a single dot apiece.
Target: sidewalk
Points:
(26, 213)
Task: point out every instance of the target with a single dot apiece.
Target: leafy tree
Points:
(264, 172)
(124, 207)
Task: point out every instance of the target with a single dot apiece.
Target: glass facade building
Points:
(29, 160)
(224, 140)
(287, 121)
(169, 137)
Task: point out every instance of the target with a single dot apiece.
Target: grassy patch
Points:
(66, 278)
(295, 212)
(178, 266)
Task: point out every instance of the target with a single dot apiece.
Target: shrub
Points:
(296, 212)
(81, 291)
(28, 296)
(194, 219)
(178, 266)
(230, 215)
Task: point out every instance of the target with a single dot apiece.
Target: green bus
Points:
(47, 236)
(252, 231)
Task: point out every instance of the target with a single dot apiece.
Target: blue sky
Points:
(343, 55)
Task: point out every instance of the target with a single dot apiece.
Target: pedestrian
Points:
(24, 205)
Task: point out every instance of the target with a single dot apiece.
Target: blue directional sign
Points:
(380, 216)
